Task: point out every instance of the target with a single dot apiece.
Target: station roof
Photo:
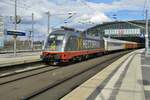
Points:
(117, 22)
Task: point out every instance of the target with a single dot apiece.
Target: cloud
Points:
(96, 17)
(85, 11)
(119, 5)
(99, 18)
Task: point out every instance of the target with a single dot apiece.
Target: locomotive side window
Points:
(71, 44)
(54, 42)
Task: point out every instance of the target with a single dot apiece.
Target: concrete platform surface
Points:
(124, 79)
(20, 58)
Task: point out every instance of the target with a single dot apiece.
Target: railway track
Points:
(10, 68)
(52, 79)
(22, 74)
(47, 91)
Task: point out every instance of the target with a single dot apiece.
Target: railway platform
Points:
(128, 78)
(21, 58)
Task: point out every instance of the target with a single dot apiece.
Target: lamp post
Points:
(15, 36)
(146, 34)
(48, 21)
(32, 36)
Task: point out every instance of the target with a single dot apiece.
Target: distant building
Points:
(131, 30)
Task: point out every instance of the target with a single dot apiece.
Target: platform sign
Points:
(122, 32)
(16, 32)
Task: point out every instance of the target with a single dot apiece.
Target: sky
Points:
(100, 1)
(85, 13)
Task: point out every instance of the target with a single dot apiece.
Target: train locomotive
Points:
(64, 45)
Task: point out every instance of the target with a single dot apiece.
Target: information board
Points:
(119, 32)
(15, 32)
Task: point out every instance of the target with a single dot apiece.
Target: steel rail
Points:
(57, 83)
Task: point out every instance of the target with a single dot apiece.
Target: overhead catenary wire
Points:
(20, 3)
(86, 5)
(11, 3)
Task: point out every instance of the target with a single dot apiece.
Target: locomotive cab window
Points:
(54, 42)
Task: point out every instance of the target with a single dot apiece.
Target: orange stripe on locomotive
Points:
(67, 55)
